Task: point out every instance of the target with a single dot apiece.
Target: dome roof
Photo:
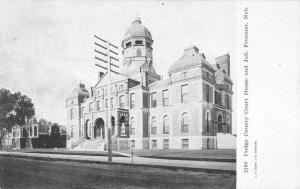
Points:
(137, 30)
(79, 91)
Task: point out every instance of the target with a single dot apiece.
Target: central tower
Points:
(137, 53)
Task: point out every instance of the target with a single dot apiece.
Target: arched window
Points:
(138, 52)
(207, 118)
(153, 126)
(132, 126)
(166, 125)
(184, 123)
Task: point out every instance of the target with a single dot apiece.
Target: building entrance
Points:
(99, 129)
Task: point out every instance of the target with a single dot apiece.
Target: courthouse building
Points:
(191, 108)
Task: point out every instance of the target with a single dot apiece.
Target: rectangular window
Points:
(121, 101)
(111, 102)
(90, 107)
(138, 42)
(207, 93)
(132, 144)
(184, 93)
(165, 95)
(132, 100)
(185, 124)
(154, 144)
(153, 100)
(185, 143)
(217, 98)
(166, 144)
(98, 105)
(106, 103)
(228, 101)
(106, 91)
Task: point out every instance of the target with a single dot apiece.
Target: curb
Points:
(193, 159)
(71, 153)
(195, 169)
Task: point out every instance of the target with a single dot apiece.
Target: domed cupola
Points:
(137, 48)
(137, 53)
(137, 30)
(79, 92)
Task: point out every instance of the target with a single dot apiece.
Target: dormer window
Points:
(128, 44)
(138, 42)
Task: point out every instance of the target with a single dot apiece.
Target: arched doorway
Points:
(99, 129)
(122, 127)
(86, 129)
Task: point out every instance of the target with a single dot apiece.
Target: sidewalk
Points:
(201, 166)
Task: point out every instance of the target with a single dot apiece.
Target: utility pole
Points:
(109, 49)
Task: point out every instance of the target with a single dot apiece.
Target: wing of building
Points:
(191, 109)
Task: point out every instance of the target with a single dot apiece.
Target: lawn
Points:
(186, 154)
(214, 155)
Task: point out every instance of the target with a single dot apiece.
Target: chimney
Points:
(223, 62)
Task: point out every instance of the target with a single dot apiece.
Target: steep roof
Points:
(190, 58)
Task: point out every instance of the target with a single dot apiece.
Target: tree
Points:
(14, 109)
(24, 112)
(42, 121)
(7, 116)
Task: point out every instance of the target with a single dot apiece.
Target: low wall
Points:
(226, 141)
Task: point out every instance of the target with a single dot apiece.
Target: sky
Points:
(47, 48)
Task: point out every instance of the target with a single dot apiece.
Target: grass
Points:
(155, 153)
(216, 154)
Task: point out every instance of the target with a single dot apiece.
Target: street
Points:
(28, 173)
